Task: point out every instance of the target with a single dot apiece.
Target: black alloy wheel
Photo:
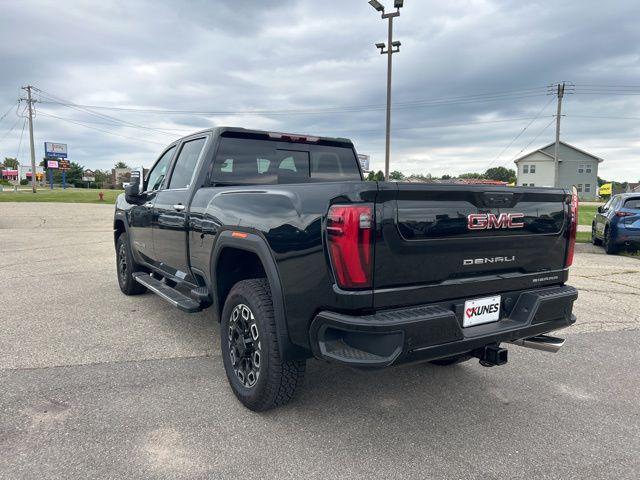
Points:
(245, 348)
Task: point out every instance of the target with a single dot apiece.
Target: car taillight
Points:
(573, 227)
(350, 235)
(624, 214)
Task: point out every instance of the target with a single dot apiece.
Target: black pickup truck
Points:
(297, 256)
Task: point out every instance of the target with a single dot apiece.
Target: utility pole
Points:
(30, 103)
(556, 175)
(391, 48)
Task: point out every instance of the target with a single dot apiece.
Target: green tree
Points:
(501, 174)
(445, 177)
(121, 164)
(376, 177)
(471, 175)
(396, 175)
(10, 163)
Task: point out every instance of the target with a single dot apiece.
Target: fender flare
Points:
(256, 244)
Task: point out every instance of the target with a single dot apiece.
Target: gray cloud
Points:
(276, 55)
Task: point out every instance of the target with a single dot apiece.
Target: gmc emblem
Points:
(488, 221)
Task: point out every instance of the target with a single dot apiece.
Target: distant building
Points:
(633, 187)
(576, 167)
(120, 176)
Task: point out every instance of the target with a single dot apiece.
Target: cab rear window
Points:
(243, 161)
(632, 203)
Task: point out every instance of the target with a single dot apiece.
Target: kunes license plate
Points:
(481, 310)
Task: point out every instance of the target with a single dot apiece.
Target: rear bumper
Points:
(429, 332)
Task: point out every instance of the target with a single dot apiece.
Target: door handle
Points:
(178, 207)
(148, 205)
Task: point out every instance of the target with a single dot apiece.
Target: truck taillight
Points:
(573, 227)
(350, 235)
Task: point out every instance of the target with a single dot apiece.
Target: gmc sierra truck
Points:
(297, 256)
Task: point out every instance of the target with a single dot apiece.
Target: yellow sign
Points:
(605, 189)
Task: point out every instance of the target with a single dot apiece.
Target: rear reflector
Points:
(573, 227)
(349, 234)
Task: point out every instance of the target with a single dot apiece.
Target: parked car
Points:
(617, 222)
(297, 256)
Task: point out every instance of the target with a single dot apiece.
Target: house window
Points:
(532, 184)
(525, 169)
(581, 168)
(587, 168)
(587, 188)
(532, 169)
(524, 184)
(579, 188)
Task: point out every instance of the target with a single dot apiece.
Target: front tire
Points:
(249, 343)
(594, 239)
(126, 266)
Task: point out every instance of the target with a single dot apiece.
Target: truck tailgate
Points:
(449, 241)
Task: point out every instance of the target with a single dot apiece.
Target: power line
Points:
(603, 116)
(100, 129)
(520, 133)
(528, 144)
(7, 112)
(24, 124)
(485, 97)
(101, 115)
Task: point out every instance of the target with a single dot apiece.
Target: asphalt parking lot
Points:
(95, 384)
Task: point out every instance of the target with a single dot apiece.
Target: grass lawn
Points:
(70, 195)
(583, 237)
(586, 213)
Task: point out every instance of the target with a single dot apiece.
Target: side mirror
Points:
(132, 191)
(600, 209)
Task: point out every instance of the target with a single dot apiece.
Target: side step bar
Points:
(545, 343)
(164, 291)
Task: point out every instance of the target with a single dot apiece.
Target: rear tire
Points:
(445, 362)
(594, 239)
(609, 247)
(126, 266)
(249, 343)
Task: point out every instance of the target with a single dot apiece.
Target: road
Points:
(99, 385)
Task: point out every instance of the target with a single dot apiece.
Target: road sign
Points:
(52, 163)
(364, 161)
(55, 150)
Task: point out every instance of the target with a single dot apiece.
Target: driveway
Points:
(99, 385)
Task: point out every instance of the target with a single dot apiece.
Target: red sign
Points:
(52, 163)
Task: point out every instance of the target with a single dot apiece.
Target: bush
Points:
(24, 181)
(5, 183)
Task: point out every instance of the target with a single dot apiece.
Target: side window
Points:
(579, 188)
(587, 187)
(525, 169)
(587, 169)
(607, 205)
(532, 169)
(186, 163)
(159, 171)
(581, 168)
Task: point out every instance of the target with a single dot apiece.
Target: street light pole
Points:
(389, 49)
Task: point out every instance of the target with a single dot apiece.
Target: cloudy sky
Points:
(469, 87)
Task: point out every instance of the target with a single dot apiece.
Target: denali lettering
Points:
(484, 261)
(489, 221)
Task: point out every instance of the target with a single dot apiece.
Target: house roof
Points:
(540, 150)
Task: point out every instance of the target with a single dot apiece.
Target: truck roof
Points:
(267, 133)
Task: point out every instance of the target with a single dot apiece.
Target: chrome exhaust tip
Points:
(545, 343)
